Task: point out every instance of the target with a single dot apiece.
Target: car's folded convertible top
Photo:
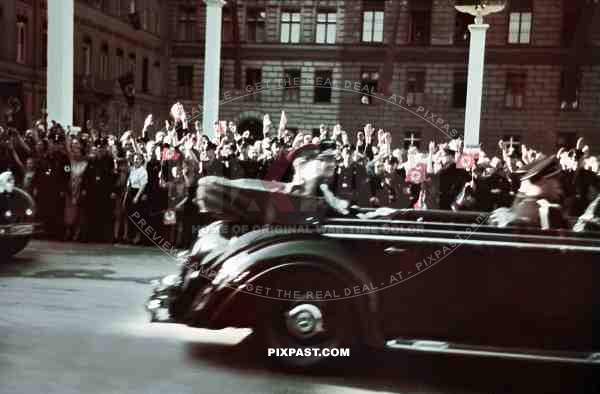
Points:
(255, 201)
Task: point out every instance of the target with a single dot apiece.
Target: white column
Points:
(475, 85)
(212, 65)
(59, 85)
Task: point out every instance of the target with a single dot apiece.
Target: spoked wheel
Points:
(309, 328)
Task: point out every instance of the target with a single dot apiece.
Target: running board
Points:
(450, 348)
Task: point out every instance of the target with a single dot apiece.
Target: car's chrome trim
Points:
(450, 348)
(17, 229)
(464, 241)
(482, 230)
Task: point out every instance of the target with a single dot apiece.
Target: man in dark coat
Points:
(449, 181)
(538, 203)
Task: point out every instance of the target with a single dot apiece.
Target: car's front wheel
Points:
(14, 246)
(305, 332)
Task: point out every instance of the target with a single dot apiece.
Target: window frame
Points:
(185, 81)
(521, 77)
(418, 95)
(459, 76)
(21, 55)
(317, 89)
(104, 72)
(373, 18)
(253, 21)
(187, 24)
(369, 76)
(412, 28)
(520, 32)
(563, 90)
(291, 93)
(227, 24)
(251, 74)
(326, 25)
(291, 25)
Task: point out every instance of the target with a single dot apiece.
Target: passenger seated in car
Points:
(538, 203)
(307, 197)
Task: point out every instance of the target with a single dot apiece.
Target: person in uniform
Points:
(539, 199)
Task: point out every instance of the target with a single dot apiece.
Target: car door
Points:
(542, 290)
(421, 273)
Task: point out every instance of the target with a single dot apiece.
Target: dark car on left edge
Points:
(17, 221)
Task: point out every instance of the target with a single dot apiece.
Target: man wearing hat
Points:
(537, 203)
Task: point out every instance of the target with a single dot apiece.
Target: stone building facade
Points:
(541, 82)
(107, 45)
(399, 64)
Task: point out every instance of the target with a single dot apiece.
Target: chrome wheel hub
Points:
(304, 321)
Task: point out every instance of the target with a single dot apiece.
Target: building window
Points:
(515, 90)
(326, 27)
(567, 140)
(420, 22)
(412, 138)
(323, 82)
(21, 39)
(570, 88)
(87, 56)
(369, 79)
(104, 71)
(227, 24)
(254, 81)
(187, 24)
(132, 61)
(120, 63)
(291, 83)
(570, 10)
(519, 22)
(290, 27)
(372, 23)
(255, 24)
(459, 93)
(185, 81)
(145, 74)
(415, 87)
(461, 28)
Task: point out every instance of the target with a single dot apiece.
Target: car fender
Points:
(318, 255)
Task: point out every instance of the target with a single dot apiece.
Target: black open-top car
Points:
(406, 279)
(305, 270)
(17, 213)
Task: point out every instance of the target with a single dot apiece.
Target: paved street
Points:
(72, 321)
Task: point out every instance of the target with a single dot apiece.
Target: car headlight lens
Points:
(29, 212)
(169, 280)
(209, 238)
(7, 214)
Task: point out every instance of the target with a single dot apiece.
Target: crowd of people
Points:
(86, 183)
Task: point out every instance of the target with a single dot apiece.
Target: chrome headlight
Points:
(166, 282)
(209, 238)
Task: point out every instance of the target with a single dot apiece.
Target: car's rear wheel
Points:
(307, 325)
